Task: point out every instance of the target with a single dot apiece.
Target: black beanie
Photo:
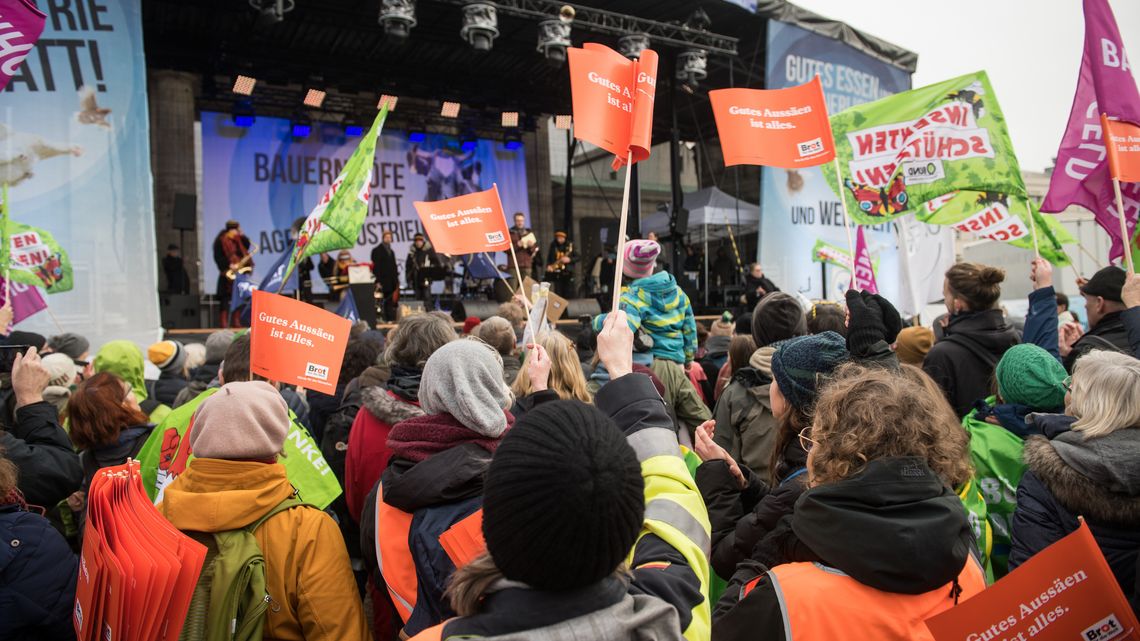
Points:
(564, 499)
(777, 317)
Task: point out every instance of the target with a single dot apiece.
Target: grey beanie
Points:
(465, 379)
(74, 345)
(217, 344)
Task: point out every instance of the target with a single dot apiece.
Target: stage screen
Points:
(265, 179)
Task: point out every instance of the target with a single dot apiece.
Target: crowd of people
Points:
(835, 472)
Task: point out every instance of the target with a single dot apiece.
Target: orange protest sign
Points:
(774, 127)
(296, 343)
(1066, 592)
(468, 224)
(1122, 140)
(613, 100)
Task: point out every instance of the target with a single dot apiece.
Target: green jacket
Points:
(167, 452)
(996, 455)
(680, 395)
(745, 425)
(125, 360)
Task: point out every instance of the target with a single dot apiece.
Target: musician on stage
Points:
(231, 253)
(560, 269)
(422, 260)
(387, 275)
(526, 247)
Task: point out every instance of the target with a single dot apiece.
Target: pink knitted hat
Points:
(242, 420)
(640, 256)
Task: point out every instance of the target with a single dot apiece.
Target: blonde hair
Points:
(497, 332)
(566, 376)
(1103, 397)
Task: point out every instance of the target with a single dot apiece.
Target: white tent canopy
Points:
(709, 206)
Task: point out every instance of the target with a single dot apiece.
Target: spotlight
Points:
(692, 66)
(397, 17)
(353, 128)
(632, 45)
(563, 121)
(314, 98)
(391, 100)
(301, 126)
(512, 142)
(510, 119)
(449, 110)
(272, 11)
(243, 85)
(242, 114)
(554, 38)
(480, 25)
(468, 142)
(417, 136)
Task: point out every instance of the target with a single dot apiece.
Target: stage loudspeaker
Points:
(179, 311)
(185, 212)
(363, 294)
(577, 307)
(481, 309)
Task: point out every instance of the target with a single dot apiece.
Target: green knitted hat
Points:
(1028, 375)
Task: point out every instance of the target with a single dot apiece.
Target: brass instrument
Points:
(556, 265)
(243, 265)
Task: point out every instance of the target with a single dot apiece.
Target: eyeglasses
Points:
(806, 441)
(1067, 384)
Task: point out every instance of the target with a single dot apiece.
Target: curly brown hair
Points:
(870, 413)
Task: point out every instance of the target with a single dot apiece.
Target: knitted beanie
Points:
(799, 363)
(217, 344)
(61, 369)
(465, 379)
(1029, 375)
(167, 355)
(913, 343)
(470, 324)
(564, 498)
(243, 420)
(74, 345)
(722, 326)
(640, 257)
(778, 316)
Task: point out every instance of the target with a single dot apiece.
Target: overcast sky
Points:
(1030, 48)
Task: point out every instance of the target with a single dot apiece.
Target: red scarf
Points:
(417, 439)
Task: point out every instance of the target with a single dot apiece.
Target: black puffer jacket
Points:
(963, 361)
(48, 465)
(1110, 333)
(168, 386)
(37, 579)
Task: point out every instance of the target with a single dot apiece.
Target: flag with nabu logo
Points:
(903, 150)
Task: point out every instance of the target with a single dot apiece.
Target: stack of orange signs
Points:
(136, 572)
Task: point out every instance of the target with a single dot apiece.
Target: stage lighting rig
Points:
(632, 45)
(692, 66)
(480, 25)
(397, 17)
(272, 11)
(554, 35)
(243, 85)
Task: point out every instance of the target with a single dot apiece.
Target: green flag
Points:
(34, 258)
(827, 253)
(336, 220)
(1000, 217)
(901, 151)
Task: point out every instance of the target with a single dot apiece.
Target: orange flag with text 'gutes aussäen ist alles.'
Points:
(468, 224)
(1122, 140)
(613, 100)
(785, 128)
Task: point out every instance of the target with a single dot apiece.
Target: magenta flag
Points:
(21, 24)
(864, 272)
(26, 300)
(1105, 85)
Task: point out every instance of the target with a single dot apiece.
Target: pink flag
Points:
(26, 300)
(1105, 85)
(21, 24)
(864, 272)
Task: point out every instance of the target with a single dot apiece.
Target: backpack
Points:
(230, 600)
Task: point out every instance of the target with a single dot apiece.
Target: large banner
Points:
(75, 152)
(264, 178)
(798, 208)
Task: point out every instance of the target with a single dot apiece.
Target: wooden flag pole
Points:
(518, 275)
(1088, 254)
(622, 225)
(1124, 239)
(1033, 229)
(846, 217)
(499, 274)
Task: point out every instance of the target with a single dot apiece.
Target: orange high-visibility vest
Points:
(818, 602)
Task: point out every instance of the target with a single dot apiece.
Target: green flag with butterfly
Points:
(1000, 217)
(31, 256)
(904, 150)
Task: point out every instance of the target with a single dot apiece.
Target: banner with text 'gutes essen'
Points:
(266, 179)
(75, 153)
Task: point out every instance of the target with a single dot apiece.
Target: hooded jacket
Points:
(1111, 329)
(657, 303)
(965, 376)
(913, 547)
(746, 428)
(307, 573)
(1097, 478)
(168, 386)
(37, 578)
(125, 360)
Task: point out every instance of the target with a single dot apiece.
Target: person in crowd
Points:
(470, 324)
(231, 252)
(106, 425)
(386, 274)
(170, 358)
(913, 344)
(567, 497)
(515, 313)
(34, 442)
(724, 272)
(236, 482)
(422, 260)
(434, 479)
(715, 349)
(605, 266)
(195, 356)
(1104, 305)
(564, 377)
(740, 351)
(526, 251)
(976, 335)
(1064, 314)
(205, 374)
(881, 462)
(745, 425)
(827, 316)
(359, 355)
(561, 259)
(499, 333)
(124, 359)
(76, 347)
(1084, 465)
(756, 286)
(177, 280)
(1130, 294)
(655, 302)
(64, 377)
(37, 569)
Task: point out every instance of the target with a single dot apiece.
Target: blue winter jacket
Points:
(37, 578)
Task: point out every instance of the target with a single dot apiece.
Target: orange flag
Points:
(1065, 592)
(613, 100)
(1123, 142)
(468, 224)
(296, 343)
(774, 127)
